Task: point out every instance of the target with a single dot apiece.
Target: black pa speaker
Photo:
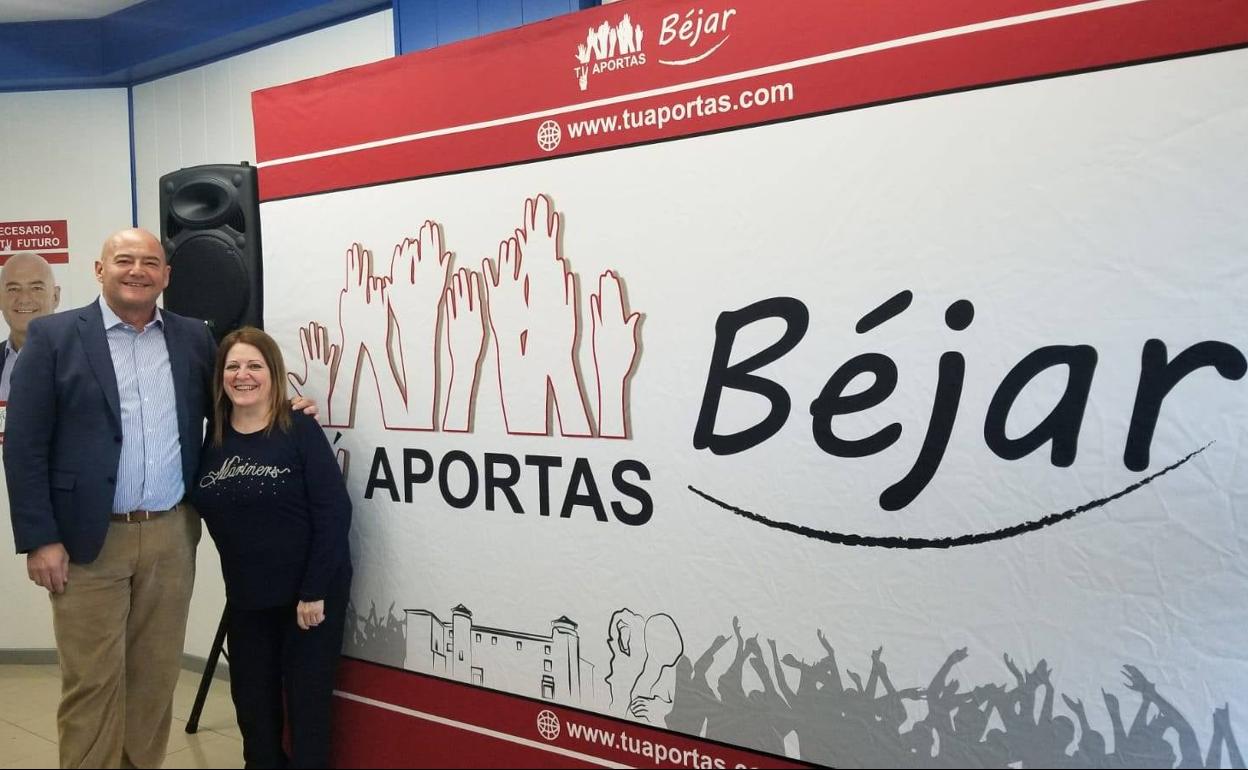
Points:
(210, 225)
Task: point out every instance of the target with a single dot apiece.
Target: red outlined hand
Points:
(418, 274)
(363, 320)
(320, 364)
(465, 343)
(536, 326)
(616, 345)
(521, 384)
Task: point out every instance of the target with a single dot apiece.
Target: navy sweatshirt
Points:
(278, 510)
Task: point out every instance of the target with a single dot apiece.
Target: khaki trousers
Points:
(120, 628)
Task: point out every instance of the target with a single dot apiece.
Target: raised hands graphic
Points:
(320, 363)
(623, 38)
(418, 275)
(554, 313)
(364, 320)
(535, 324)
(615, 344)
(465, 342)
(391, 323)
(521, 384)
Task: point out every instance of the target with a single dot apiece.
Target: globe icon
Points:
(548, 724)
(548, 136)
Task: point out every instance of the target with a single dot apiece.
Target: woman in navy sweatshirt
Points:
(274, 500)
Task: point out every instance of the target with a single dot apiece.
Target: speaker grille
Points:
(212, 281)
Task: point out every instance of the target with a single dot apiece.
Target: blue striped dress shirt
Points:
(10, 360)
(149, 475)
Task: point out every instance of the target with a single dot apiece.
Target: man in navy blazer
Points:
(107, 409)
(62, 472)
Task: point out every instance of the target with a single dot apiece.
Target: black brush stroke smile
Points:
(873, 541)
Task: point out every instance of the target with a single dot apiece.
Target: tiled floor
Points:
(28, 698)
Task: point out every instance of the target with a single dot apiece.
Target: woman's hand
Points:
(310, 614)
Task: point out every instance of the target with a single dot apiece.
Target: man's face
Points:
(28, 291)
(132, 272)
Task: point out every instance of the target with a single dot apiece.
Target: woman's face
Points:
(246, 379)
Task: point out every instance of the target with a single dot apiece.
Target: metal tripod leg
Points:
(218, 649)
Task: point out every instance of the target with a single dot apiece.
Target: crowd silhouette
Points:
(850, 723)
(840, 720)
(381, 640)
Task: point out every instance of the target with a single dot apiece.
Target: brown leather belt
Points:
(134, 517)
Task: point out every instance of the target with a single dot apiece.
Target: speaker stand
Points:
(218, 649)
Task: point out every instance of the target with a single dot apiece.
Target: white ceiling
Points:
(47, 10)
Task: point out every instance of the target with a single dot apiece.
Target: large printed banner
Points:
(757, 384)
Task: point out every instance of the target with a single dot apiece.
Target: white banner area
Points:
(906, 435)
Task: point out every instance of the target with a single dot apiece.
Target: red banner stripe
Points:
(530, 69)
(1021, 50)
(503, 716)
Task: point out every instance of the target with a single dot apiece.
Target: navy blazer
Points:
(62, 443)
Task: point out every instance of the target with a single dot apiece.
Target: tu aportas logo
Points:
(609, 48)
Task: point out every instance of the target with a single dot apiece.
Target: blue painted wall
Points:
(160, 37)
(422, 24)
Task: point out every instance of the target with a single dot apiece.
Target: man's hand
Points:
(48, 567)
(305, 405)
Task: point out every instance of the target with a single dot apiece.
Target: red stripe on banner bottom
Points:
(386, 717)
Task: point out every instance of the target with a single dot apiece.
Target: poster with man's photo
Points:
(33, 259)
